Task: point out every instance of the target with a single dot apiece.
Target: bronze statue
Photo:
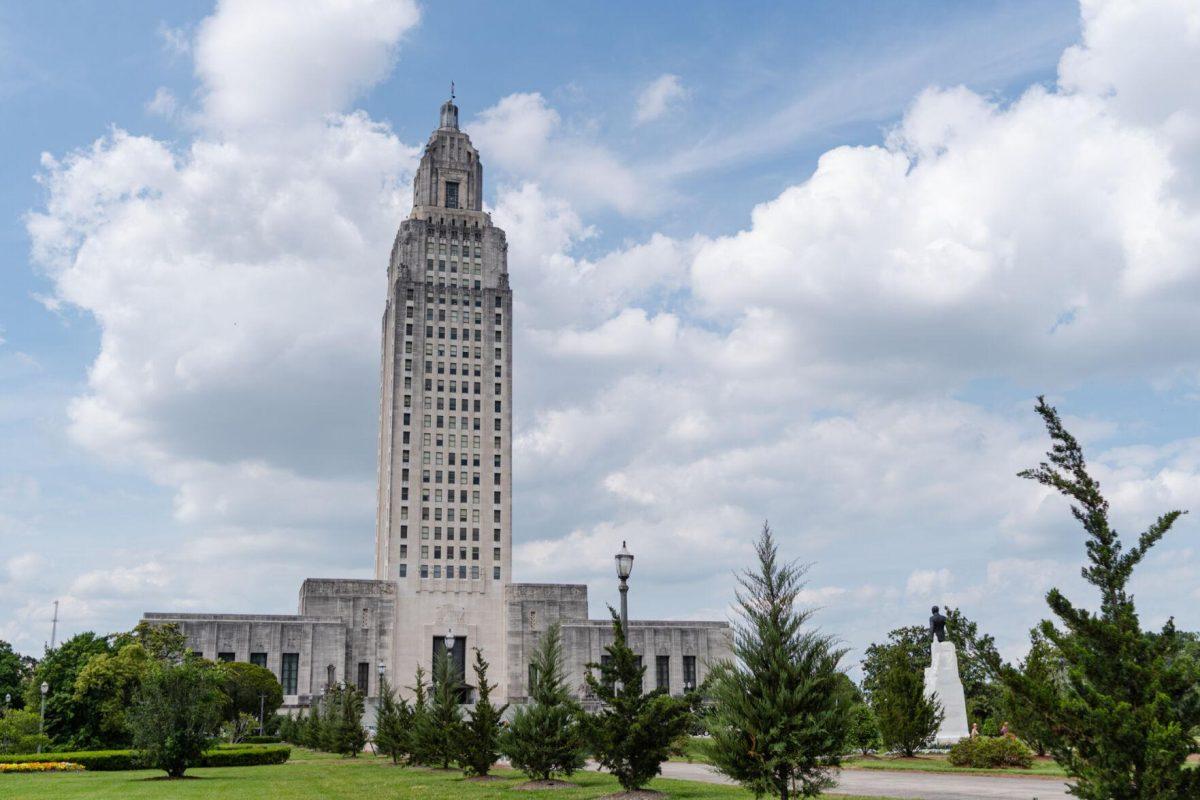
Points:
(937, 625)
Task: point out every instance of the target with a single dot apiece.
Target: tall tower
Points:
(443, 524)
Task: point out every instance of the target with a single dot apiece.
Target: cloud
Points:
(163, 104)
(659, 97)
(232, 279)
(273, 62)
(523, 135)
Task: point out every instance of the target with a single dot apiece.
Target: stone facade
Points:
(443, 536)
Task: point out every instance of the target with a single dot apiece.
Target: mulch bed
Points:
(535, 786)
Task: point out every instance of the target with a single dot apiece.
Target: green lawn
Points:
(323, 777)
(937, 763)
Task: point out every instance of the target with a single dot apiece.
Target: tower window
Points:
(451, 194)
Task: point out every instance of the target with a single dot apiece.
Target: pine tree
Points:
(1121, 724)
(632, 733)
(343, 725)
(480, 745)
(422, 738)
(908, 720)
(313, 734)
(780, 717)
(445, 717)
(545, 736)
(393, 722)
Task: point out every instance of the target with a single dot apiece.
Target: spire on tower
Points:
(449, 117)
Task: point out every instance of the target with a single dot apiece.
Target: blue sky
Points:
(808, 262)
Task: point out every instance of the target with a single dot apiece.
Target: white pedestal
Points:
(941, 679)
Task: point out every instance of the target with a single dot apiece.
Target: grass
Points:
(319, 776)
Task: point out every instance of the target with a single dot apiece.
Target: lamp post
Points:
(382, 670)
(45, 687)
(624, 567)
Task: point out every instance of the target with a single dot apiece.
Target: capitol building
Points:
(443, 533)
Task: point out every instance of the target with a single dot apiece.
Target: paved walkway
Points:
(923, 785)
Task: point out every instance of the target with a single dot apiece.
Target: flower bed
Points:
(41, 766)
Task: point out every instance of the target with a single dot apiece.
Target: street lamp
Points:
(449, 640)
(45, 687)
(624, 567)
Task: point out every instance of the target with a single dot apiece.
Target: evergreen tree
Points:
(445, 717)
(422, 737)
(780, 716)
(546, 736)
(392, 724)
(632, 733)
(331, 720)
(480, 745)
(344, 732)
(312, 735)
(1042, 667)
(1121, 723)
(908, 720)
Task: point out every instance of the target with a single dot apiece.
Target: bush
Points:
(261, 740)
(246, 756)
(987, 752)
(117, 760)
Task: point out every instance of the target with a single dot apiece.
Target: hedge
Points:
(988, 752)
(112, 760)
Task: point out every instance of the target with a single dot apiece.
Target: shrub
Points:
(261, 740)
(246, 756)
(988, 752)
(119, 760)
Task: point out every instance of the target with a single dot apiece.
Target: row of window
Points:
(462, 552)
(438, 515)
(454, 251)
(467, 369)
(462, 571)
(437, 535)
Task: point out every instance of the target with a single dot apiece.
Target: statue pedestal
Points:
(941, 678)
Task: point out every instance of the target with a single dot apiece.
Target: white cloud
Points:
(265, 62)
(163, 104)
(659, 97)
(521, 134)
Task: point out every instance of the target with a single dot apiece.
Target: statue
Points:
(937, 625)
(943, 683)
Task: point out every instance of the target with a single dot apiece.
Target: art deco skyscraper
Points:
(443, 525)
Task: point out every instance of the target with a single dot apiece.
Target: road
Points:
(912, 785)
